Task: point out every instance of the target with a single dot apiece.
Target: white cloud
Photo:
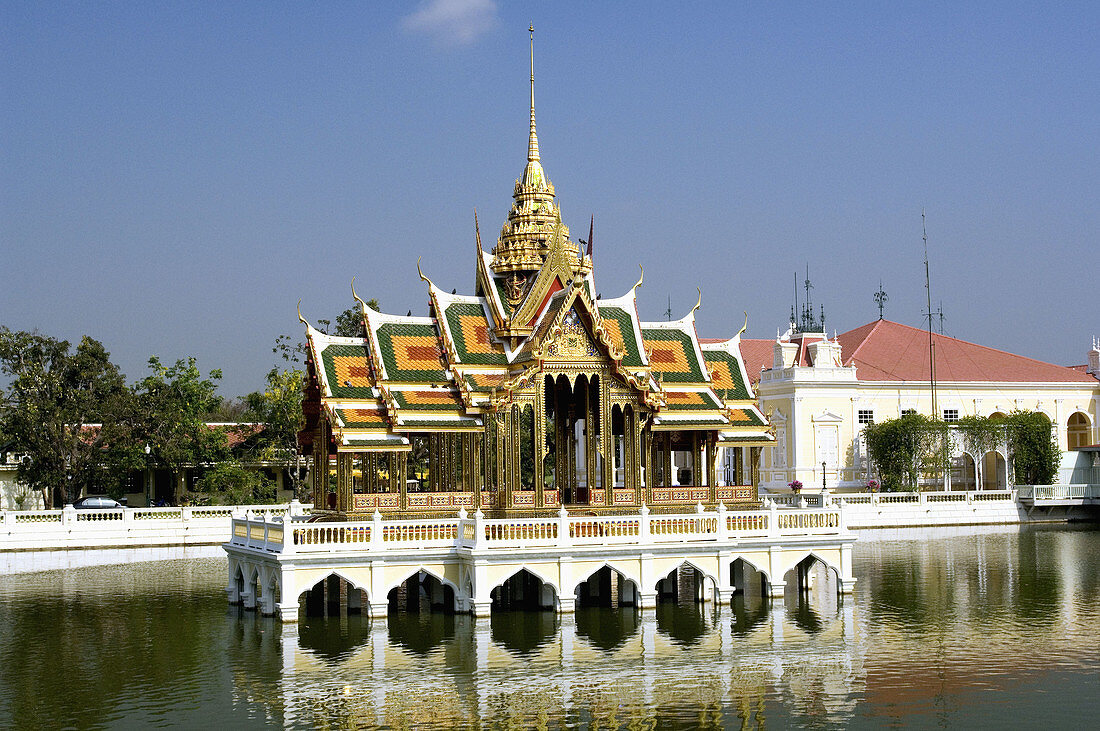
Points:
(453, 22)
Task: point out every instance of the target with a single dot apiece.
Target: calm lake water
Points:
(1000, 629)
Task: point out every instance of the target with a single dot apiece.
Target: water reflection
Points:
(993, 630)
(748, 614)
(523, 632)
(806, 617)
(606, 628)
(684, 622)
(332, 637)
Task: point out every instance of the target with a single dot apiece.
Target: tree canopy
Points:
(68, 410)
(1033, 448)
(173, 402)
(904, 447)
(279, 408)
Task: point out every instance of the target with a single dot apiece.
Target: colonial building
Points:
(820, 393)
(530, 393)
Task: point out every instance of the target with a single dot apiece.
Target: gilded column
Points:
(538, 433)
(671, 479)
(607, 442)
(343, 482)
(712, 475)
(401, 474)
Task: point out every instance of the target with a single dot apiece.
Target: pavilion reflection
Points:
(806, 617)
(523, 632)
(334, 638)
(684, 623)
(747, 614)
(606, 628)
(421, 633)
(680, 666)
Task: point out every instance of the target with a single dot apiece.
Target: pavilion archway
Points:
(607, 588)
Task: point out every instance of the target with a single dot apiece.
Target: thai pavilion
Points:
(528, 395)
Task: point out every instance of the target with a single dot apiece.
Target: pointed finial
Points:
(591, 227)
(300, 318)
(533, 142)
(743, 327)
(422, 277)
(477, 232)
(353, 294)
(641, 276)
(699, 303)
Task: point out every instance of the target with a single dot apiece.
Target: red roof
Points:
(756, 354)
(888, 351)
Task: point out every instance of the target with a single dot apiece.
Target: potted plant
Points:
(796, 486)
(872, 485)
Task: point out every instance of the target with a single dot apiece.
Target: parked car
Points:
(97, 502)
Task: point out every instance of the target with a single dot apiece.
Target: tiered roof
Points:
(532, 304)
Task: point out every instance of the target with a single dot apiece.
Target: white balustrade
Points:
(122, 527)
(564, 531)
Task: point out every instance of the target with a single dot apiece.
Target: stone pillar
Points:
(482, 602)
(737, 577)
(647, 591)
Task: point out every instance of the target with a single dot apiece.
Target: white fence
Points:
(1059, 492)
(40, 530)
(286, 535)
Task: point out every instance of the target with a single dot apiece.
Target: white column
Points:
(482, 603)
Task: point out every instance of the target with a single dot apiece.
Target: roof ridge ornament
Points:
(743, 327)
(300, 318)
(477, 231)
(697, 304)
(357, 298)
(421, 273)
(641, 276)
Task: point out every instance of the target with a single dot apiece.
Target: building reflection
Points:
(680, 666)
(931, 623)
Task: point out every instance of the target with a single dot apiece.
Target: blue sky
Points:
(175, 176)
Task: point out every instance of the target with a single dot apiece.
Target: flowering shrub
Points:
(872, 485)
(795, 485)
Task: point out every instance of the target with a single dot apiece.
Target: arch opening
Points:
(685, 584)
(994, 471)
(1077, 431)
(332, 596)
(523, 591)
(607, 588)
(422, 592)
(747, 580)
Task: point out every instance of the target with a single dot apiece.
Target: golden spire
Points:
(533, 142)
(533, 218)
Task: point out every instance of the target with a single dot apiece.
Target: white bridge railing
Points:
(285, 536)
(1059, 492)
(30, 530)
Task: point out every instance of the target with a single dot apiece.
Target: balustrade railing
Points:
(479, 533)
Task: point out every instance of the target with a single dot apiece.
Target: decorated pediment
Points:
(571, 339)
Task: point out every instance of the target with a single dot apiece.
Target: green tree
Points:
(349, 323)
(69, 411)
(903, 448)
(174, 402)
(279, 408)
(1032, 445)
(229, 483)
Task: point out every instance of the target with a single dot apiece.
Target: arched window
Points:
(1077, 431)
